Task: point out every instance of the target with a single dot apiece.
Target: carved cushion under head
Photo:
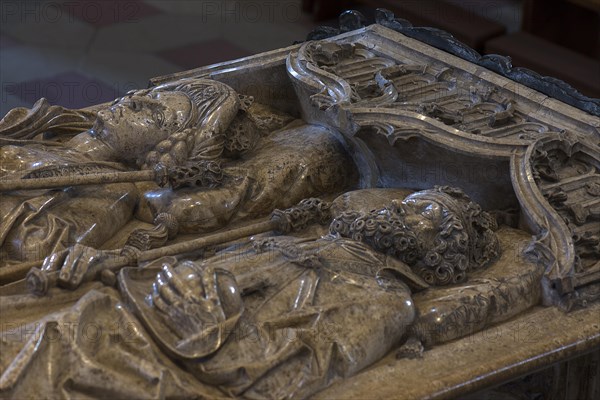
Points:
(365, 200)
(440, 233)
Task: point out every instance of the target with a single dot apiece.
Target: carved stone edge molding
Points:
(497, 355)
(304, 70)
(442, 40)
(213, 71)
(401, 124)
(554, 245)
(327, 90)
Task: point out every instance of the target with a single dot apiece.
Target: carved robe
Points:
(302, 327)
(38, 223)
(286, 166)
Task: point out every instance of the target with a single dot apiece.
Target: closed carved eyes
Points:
(159, 118)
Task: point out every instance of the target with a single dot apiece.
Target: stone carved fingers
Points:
(75, 263)
(195, 301)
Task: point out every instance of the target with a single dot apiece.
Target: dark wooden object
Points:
(564, 23)
(547, 58)
(466, 26)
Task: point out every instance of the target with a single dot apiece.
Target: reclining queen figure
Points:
(251, 154)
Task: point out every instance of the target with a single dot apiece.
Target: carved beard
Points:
(442, 262)
(383, 230)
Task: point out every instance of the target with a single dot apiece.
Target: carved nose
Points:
(411, 219)
(103, 114)
(401, 208)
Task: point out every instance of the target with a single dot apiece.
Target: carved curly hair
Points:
(465, 240)
(383, 230)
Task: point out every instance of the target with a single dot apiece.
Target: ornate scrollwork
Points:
(366, 79)
(568, 182)
(442, 40)
(204, 174)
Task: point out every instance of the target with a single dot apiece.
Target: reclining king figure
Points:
(279, 317)
(289, 323)
(269, 161)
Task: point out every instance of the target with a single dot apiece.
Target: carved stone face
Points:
(440, 233)
(134, 124)
(423, 217)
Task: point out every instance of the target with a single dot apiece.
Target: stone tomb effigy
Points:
(378, 212)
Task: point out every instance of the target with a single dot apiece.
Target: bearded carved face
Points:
(135, 124)
(440, 233)
(423, 217)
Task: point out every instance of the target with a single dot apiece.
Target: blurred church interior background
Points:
(81, 52)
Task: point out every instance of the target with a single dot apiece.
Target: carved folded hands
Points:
(196, 301)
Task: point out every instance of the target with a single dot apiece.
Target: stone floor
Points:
(78, 53)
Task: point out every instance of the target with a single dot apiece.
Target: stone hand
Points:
(76, 264)
(190, 298)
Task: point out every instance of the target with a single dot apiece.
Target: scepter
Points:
(203, 174)
(281, 221)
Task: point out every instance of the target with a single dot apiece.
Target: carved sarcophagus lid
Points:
(462, 195)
